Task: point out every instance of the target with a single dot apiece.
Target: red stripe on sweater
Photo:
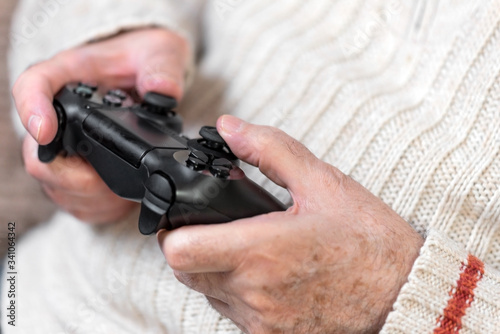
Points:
(461, 297)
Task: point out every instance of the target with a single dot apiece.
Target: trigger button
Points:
(159, 186)
(158, 196)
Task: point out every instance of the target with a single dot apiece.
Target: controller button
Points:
(196, 164)
(222, 163)
(112, 100)
(158, 103)
(197, 160)
(90, 85)
(221, 168)
(200, 155)
(212, 137)
(84, 92)
(221, 172)
(118, 93)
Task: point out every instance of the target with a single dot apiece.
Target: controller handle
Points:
(155, 204)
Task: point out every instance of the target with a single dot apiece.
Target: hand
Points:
(334, 262)
(147, 59)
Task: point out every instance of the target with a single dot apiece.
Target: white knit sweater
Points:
(404, 96)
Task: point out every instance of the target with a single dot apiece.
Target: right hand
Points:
(148, 59)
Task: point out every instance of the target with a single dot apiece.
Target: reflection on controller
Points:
(138, 150)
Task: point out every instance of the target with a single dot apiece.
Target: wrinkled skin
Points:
(334, 262)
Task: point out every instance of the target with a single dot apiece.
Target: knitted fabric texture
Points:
(401, 95)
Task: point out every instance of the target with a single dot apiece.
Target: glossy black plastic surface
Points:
(141, 156)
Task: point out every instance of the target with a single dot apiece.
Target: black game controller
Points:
(138, 151)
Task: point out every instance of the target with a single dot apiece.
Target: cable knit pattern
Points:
(401, 95)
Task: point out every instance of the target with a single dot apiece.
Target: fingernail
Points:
(34, 126)
(231, 124)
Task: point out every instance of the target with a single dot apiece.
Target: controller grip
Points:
(47, 153)
(235, 200)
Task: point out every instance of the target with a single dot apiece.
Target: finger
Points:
(34, 90)
(280, 157)
(156, 63)
(162, 67)
(96, 202)
(98, 209)
(218, 247)
(70, 173)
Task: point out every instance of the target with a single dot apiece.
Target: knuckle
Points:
(73, 175)
(256, 300)
(272, 138)
(296, 148)
(182, 250)
(175, 255)
(266, 136)
(190, 280)
(170, 40)
(331, 176)
(89, 184)
(68, 60)
(68, 56)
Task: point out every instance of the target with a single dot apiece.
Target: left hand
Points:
(333, 262)
(149, 59)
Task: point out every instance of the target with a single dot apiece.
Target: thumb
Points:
(162, 67)
(280, 157)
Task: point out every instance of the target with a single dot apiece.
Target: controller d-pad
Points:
(221, 168)
(201, 155)
(220, 172)
(196, 164)
(198, 160)
(222, 163)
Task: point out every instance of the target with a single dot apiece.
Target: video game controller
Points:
(138, 151)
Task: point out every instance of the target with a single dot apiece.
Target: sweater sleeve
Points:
(41, 29)
(448, 291)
